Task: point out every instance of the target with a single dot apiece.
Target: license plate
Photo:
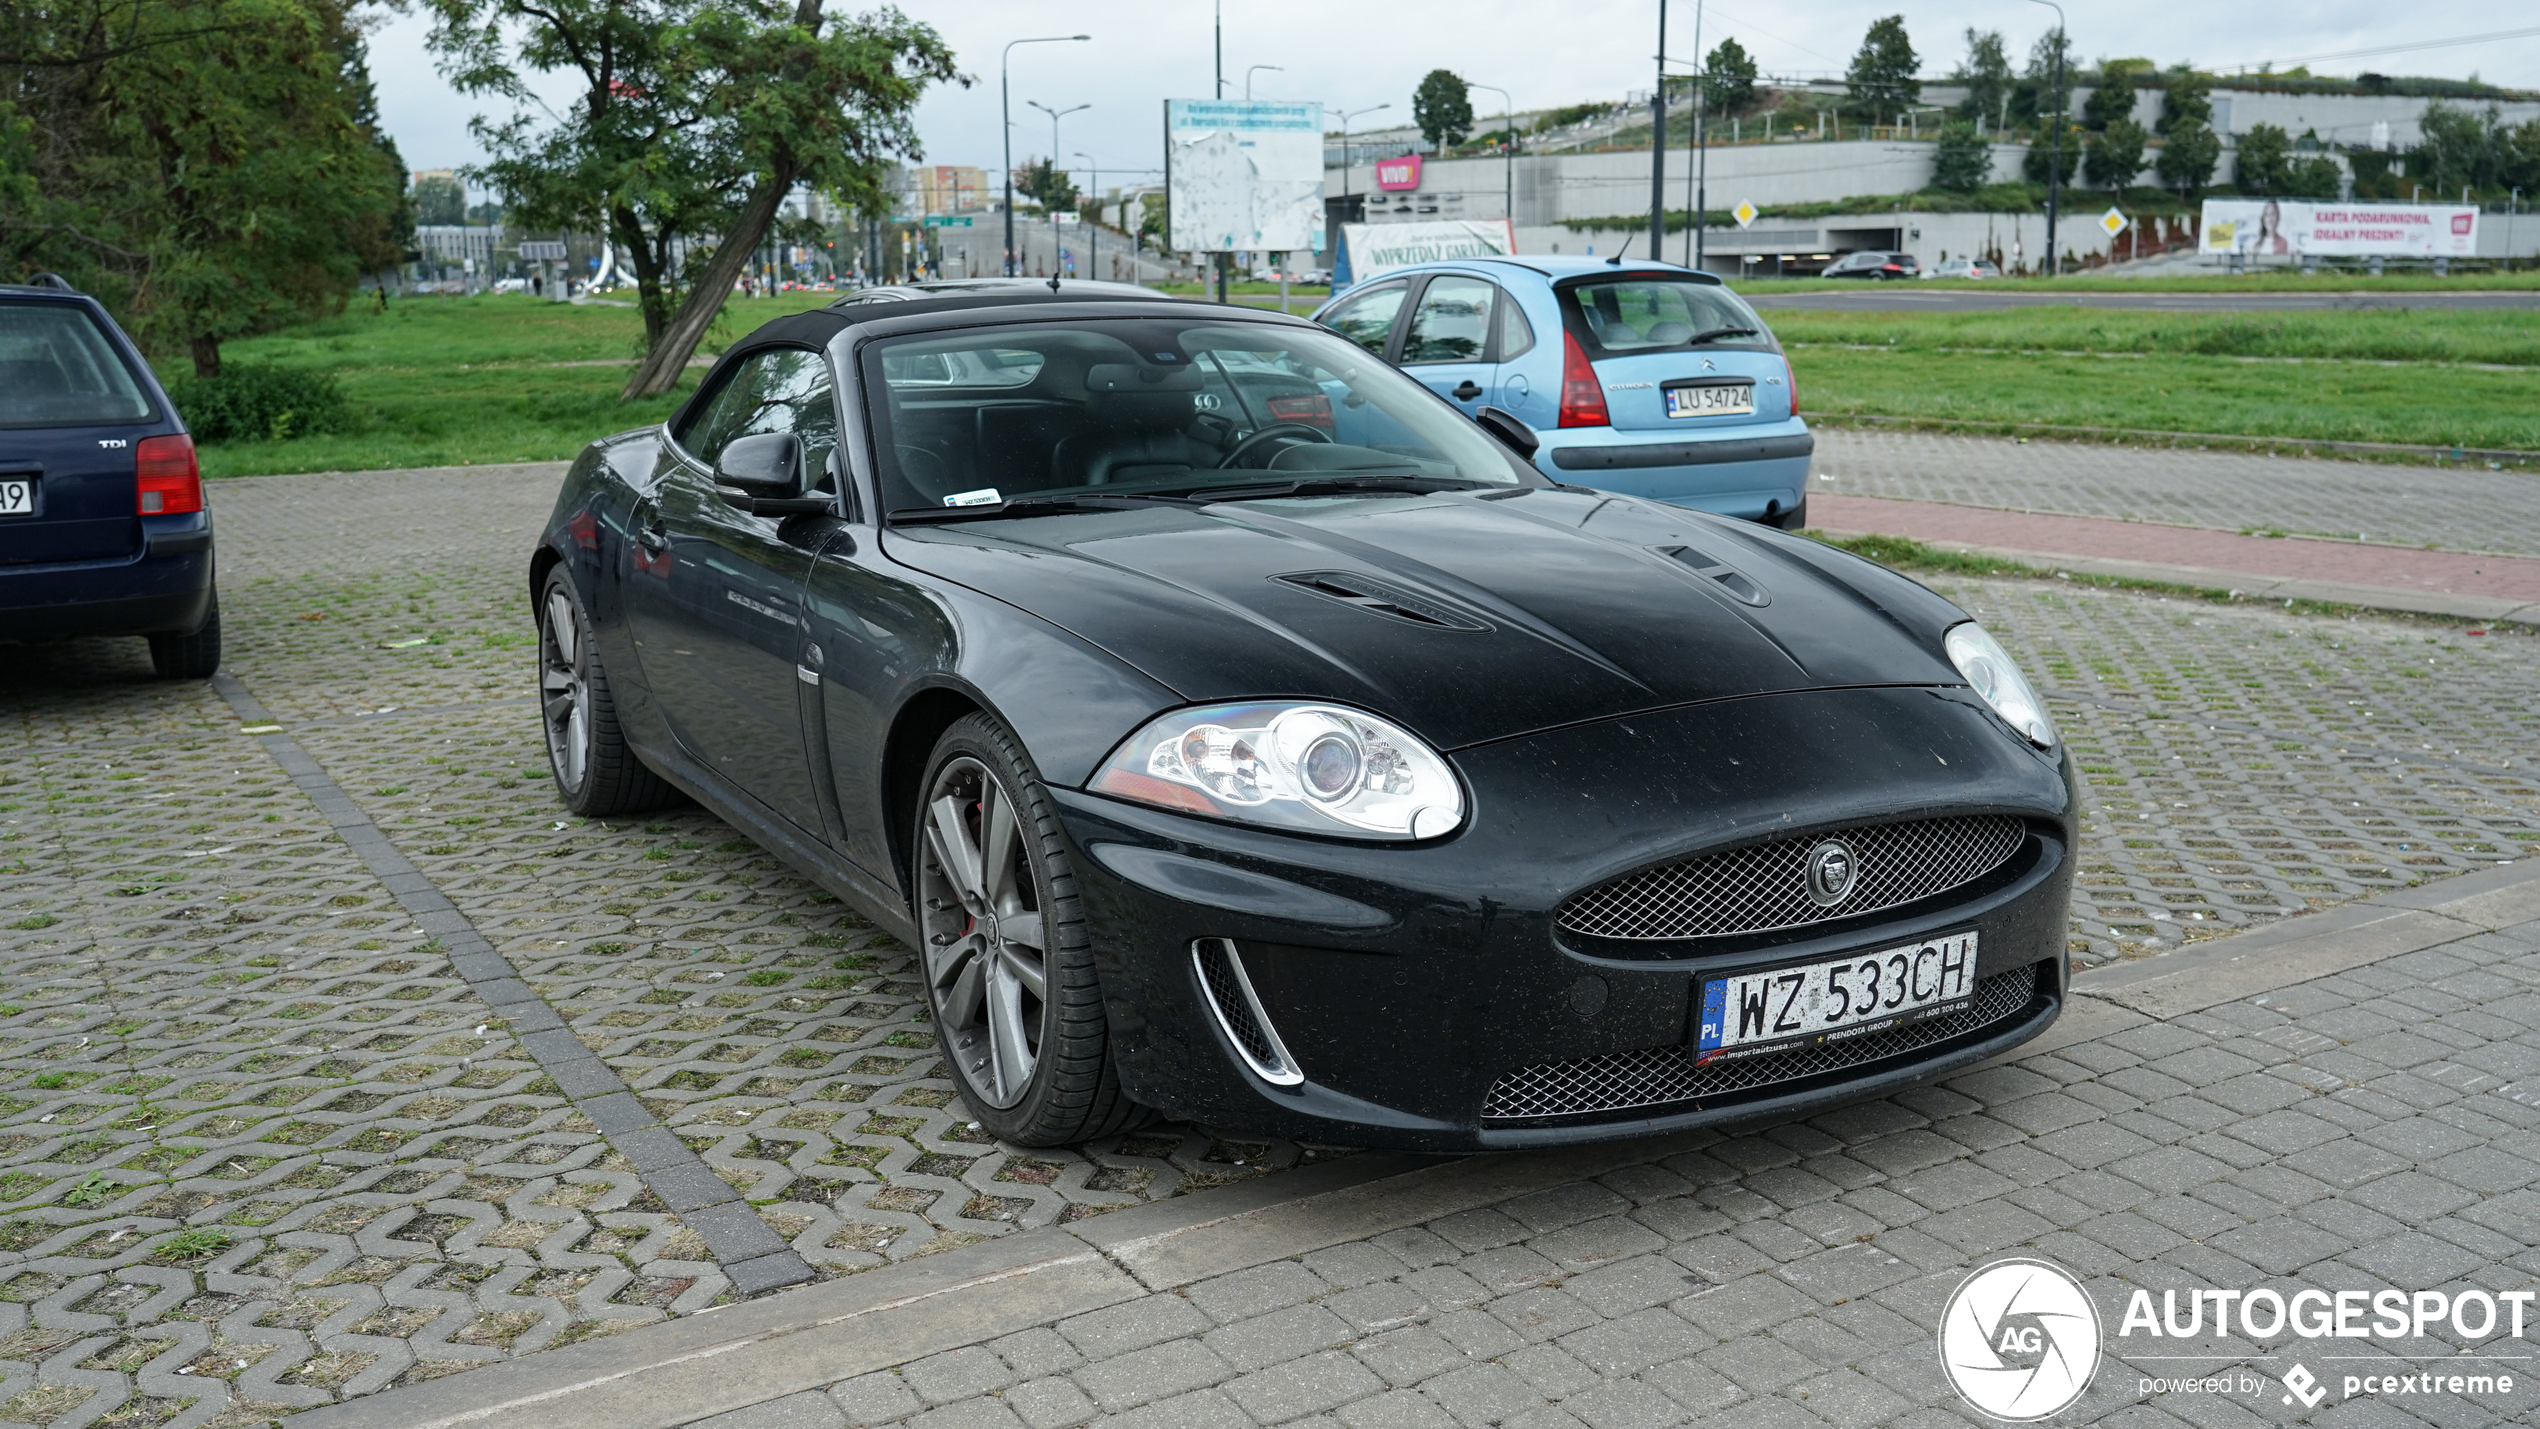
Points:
(17, 498)
(1716, 400)
(1779, 1008)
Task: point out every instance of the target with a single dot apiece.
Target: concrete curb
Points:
(2251, 585)
(680, 1371)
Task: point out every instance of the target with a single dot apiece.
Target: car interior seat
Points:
(1140, 420)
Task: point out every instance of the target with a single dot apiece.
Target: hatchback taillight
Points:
(1582, 401)
(171, 482)
(1314, 410)
(1792, 378)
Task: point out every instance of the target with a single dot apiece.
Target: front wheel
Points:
(1009, 966)
(595, 771)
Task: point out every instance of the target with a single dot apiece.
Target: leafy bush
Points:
(246, 403)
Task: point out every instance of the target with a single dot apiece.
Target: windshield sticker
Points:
(984, 496)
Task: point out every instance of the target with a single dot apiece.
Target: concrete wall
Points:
(2338, 118)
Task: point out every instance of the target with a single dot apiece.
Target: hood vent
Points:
(1377, 598)
(1731, 579)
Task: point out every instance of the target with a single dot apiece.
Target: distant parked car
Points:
(103, 527)
(1874, 263)
(1962, 268)
(1643, 378)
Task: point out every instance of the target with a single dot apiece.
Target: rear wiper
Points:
(1022, 506)
(1337, 485)
(1717, 333)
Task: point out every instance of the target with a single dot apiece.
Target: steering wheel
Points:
(1276, 431)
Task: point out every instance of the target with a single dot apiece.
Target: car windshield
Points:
(980, 417)
(57, 369)
(1657, 312)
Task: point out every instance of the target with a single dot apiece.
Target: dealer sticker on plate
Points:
(1778, 1008)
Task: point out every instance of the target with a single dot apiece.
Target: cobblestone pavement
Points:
(261, 1147)
(2457, 508)
(2370, 1131)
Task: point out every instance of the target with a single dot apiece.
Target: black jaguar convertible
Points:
(1242, 733)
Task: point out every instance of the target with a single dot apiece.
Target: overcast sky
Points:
(1545, 52)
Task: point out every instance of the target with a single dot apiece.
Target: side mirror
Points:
(1512, 433)
(769, 464)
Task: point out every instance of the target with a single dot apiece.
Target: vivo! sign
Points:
(1395, 175)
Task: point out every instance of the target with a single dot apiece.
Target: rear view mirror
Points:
(1512, 433)
(768, 464)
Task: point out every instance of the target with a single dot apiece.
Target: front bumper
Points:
(1742, 472)
(1408, 980)
(165, 587)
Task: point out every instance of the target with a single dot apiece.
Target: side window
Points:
(1516, 335)
(784, 389)
(1452, 323)
(1368, 318)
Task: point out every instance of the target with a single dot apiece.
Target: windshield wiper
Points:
(1022, 506)
(1715, 334)
(1337, 485)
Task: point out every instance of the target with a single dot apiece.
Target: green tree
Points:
(2519, 155)
(2112, 94)
(2033, 97)
(1443, 109)
(197, 163)
(2054, 152)
(438, 200)
(2186, 98)
(2315, 177)
(2458, 148)
(2188, 158)
(2264, 162)
(382, 236)
(1046, 184)
(1962, 160)
(1880, 81)
(1728, 79)
(2115, 156)
(1986, 73)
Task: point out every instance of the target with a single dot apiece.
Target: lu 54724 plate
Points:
(1775, 1009)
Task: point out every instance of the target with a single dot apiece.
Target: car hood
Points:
(1466, 618)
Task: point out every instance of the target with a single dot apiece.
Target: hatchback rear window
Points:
(57, 369)
(1657, 312)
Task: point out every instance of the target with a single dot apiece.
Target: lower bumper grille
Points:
(1660, 1076)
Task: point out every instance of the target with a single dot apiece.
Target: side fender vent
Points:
(1377, 598)
(1239, 1012)
(1731, 579)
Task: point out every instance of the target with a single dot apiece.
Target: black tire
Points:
(194, 656)
(596, 773)
(1072, 1089)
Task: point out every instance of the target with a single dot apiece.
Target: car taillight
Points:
(1582, 401)
(1793, 379)
(1308, 411)
(170, 480)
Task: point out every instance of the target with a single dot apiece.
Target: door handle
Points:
(1467, 392)
(653, 538)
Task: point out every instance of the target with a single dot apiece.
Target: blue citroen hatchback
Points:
(1643, 378)
(103, 527)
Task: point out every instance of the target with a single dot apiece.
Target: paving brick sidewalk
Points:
(2399, 568)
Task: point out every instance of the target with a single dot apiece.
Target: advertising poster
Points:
(2287, 228)
(1371, 248)
(1244, 175)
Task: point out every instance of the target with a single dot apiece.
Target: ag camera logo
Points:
(2019, 1340)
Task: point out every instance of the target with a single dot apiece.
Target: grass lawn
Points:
(2277, 281)
(2484, 335)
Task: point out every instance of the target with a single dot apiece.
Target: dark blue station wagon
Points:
(103, 526)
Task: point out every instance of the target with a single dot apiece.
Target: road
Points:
(1964, 297)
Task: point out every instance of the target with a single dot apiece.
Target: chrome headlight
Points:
(1980, 658)
(1317, 769)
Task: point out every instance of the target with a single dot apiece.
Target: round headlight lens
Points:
(1988, 668)
(1313, 768)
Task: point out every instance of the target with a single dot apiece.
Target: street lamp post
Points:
(1093, 231)
(2055, 159)
(1508, 133)
(1005, 114)
(1658, 145)
(1055, 116)
(1701, 144)
(1248, 74)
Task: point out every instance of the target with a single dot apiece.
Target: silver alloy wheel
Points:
(564, 689)
(986, 950)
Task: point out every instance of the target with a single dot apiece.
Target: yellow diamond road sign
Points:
(1744, 213)
(2113, 221)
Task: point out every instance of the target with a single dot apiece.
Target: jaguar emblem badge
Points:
(1834, 870)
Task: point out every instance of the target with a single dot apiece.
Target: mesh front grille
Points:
(1664, 1075)
(1755, 890)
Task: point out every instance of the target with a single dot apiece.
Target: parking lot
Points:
(266, 1145)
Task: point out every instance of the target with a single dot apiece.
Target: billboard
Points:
(1243, 174)
(1398, 175)
(2272, 228)
(1370, 248)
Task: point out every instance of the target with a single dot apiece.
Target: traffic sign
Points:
(946, 220)
(2113, 221)
(1744, 213)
